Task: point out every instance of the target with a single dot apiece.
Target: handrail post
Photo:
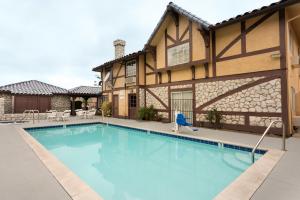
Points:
(283, 137)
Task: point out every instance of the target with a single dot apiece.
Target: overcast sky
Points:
(60, 41)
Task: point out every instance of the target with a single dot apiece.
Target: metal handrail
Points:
(263, 136)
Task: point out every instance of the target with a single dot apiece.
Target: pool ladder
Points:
(263, 136)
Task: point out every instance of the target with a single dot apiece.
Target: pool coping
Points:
(243, 187)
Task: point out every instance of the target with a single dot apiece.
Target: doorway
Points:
(132, 106)
(115, 110)
(182, 101)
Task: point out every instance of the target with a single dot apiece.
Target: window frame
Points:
(126, 66)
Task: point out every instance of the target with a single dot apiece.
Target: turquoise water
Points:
(126, 164)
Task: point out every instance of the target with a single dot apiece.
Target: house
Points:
(247, 67)
(36, 95)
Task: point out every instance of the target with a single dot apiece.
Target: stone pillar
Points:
(119, 48)
(73, 113)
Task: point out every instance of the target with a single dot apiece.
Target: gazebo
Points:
(85, 92)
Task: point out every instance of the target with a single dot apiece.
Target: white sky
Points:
(60, 41)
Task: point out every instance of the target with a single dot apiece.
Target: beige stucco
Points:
(181, 75)
(198, 49)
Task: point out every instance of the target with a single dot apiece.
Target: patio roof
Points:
(33, 87)
(86, 91)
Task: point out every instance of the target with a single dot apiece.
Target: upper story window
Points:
(179, 54)
(131, 68)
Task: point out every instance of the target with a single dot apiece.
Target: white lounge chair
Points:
(52, 115)
(90, 114)
(66, 115)
(80, 113)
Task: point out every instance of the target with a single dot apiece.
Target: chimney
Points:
(119, 48)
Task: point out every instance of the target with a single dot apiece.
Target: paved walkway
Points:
(282, 183)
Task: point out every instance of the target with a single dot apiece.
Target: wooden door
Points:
(132, 110)
(115, 110)
(27, 102)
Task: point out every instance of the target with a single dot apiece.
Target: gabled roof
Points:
(175, 8)
(269, 8)
(33, 87)
(86, 90)
(126, 57)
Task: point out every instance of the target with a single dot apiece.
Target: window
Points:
(179, 54)
(132, 101)
(130, 68)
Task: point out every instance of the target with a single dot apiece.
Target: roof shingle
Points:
(86, 90)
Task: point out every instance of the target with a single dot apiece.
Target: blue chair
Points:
(181, 120)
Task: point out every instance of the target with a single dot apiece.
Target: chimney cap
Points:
(119, 42)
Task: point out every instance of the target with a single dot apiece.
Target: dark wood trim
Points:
(145, 61)
(156, 97)
(252, 53)
(171, 38)
(178, 43)
(159, 78)
(256, 114)
(182, 66)
(169, 76)
(194, 103)
(231, 92)
(193, 70)
(222, 78)
(149, 66)
(284, 83)
(191, 39)
(249, 29)
(206, 68)
(137, 91)
(184, 33)
(175, 17)
(243, 37)
(177, 31)
(181, 89)
(166, 48)
(150, 73)
(169, 104)
(118, 72)
(214, 64)
(137, 73)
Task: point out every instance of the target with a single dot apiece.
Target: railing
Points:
(33, 112)
(184, 106)
(263, 136)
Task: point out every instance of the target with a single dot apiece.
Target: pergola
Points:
(84, 92)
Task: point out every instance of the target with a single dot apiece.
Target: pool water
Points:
(127, 164)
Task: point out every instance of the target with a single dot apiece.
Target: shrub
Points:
(214, 117)
(147, 113)
(106, 108)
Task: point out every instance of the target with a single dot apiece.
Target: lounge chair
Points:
(90, 114)
(80, 113)
(181, 122)
(66, 115)
(52, 115)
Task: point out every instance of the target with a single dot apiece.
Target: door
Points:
(115, 106)
(132, 106)
(27, 102)
(182, 101)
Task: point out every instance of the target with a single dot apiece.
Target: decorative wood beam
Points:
(170, 38)
(156, 97)
(243, 37)
(184, 33)
(169, 76)
(193, 72)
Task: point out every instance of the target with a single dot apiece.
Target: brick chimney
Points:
(119, 48)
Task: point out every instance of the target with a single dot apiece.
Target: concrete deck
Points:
(282, 183)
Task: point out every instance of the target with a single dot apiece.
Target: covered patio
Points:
(85, 92)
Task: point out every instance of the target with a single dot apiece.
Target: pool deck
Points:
(24, 176)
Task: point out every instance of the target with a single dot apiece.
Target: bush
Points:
(147, 113)
(214, 117)
(106, 108)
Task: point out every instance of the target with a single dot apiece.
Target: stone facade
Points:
(265, 97)
(60, 103)
(119, 48)
(142, 97)
(8, 103)
(264, 121)
(164, 115)
(162, 93)
(207, 91)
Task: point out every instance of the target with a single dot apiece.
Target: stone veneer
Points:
(264, 121)
(265, 97)
(8, 106)
(160, 92)
(142, 97)
(60, 103)
(207, 91)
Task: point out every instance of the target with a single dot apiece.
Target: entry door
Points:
(132, 106)
(115, 106)
(183, 102)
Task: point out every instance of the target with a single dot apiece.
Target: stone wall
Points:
(8, 104)
(142, 97)
(160, 92)
(261, 98)
(60, 103)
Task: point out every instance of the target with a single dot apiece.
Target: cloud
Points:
(59, 41)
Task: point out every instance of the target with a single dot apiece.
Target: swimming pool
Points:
(122, 163)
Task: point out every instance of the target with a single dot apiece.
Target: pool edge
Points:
(69, 181)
